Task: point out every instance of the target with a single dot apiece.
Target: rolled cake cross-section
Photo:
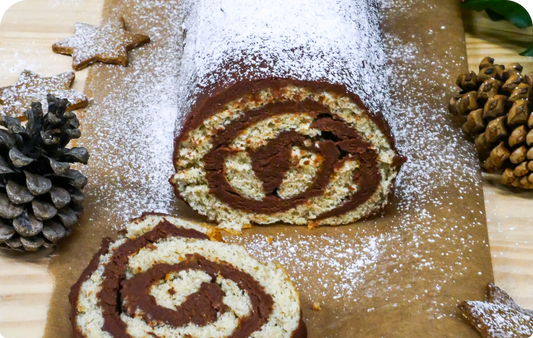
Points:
(281, 114)
(168, 278)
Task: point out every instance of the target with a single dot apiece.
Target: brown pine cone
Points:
(496, 105)
(40, 195)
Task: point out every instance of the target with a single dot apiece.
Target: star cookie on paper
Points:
(109, 43)
(498, 316)
(31, 87)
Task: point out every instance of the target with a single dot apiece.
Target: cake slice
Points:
(169, 277)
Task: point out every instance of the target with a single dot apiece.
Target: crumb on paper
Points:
(312, 225)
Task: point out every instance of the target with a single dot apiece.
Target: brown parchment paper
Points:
(401, 274)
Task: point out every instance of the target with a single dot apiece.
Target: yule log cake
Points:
(279, 104)
(167, 277)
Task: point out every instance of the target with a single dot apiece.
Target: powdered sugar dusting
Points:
(32, 87)
(108, 43)
(419, 256)
(500, 321)
(131, 143)
(358, 259)
(333, 41)
(418, 115)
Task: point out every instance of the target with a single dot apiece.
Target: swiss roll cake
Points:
(280, 113)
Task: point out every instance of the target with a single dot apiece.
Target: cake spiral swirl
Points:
(167, 277)
(280, 113)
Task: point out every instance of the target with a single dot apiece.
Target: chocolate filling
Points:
(204, 306)
(74, 294)
(301, 330)
(200, 308)
(271, 171)
(115, 272)
(211, 100)
(271, 161)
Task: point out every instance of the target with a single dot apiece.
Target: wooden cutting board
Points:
(26, 283)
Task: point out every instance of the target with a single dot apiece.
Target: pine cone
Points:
(40, 195)
(497, 105)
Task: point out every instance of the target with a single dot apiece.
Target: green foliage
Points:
(528, 52)
(494, 16)
(503, 10)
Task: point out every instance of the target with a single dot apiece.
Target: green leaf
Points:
(528, 52)
(494, 16)
(477, 5)
(498, 9)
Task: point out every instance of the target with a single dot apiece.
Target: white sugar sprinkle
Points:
(134, 140)
(333, 41)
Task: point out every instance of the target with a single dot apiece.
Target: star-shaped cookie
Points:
(32, 87)
(499, 316)
(109, 43)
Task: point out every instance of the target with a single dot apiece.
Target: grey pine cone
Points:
(40, 195)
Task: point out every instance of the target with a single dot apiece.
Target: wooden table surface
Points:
(30, 27)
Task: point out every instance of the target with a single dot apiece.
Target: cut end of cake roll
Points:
(168, 277)
(282, 150)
